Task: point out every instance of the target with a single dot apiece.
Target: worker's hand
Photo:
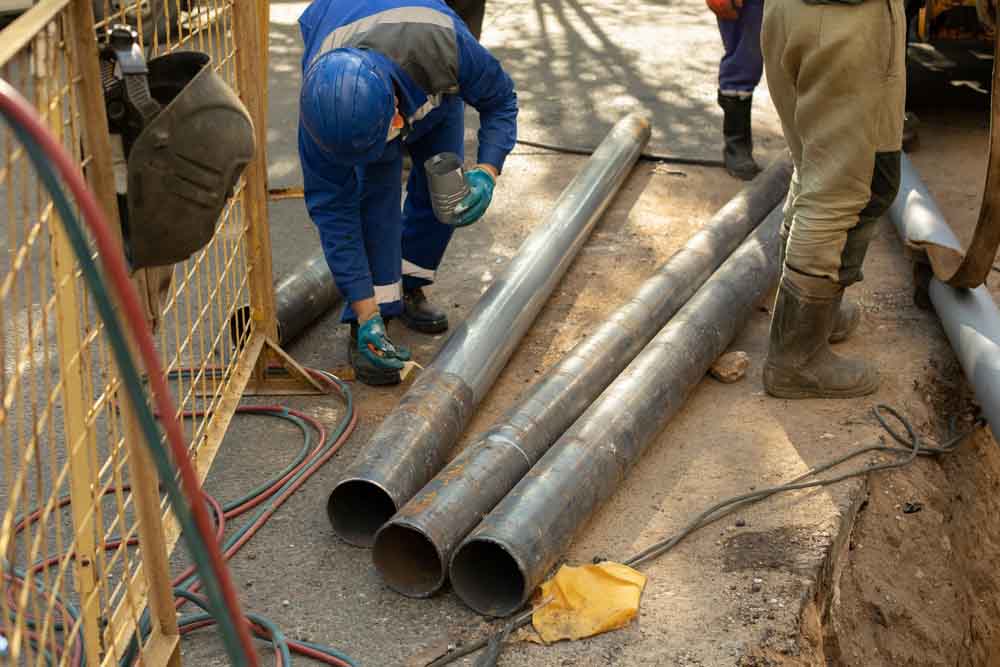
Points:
(726, 10)
(481, 183)
(374, 344)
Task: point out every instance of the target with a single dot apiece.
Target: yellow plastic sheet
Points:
(588, 600)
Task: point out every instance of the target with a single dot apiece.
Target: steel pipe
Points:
(300, 298)
(497, 567)
(970, 317)
(412, 551)
(413, 442)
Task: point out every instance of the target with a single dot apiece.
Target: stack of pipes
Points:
(499, 515)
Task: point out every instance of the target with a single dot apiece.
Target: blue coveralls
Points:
(743, 64)
(372, 247)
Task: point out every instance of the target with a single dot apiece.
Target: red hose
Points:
(109, 251)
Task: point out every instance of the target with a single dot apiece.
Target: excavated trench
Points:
(915, 578)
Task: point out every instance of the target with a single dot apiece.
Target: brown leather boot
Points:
(799, 361)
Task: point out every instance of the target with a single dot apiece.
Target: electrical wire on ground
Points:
(664, 158)
(185, 495)
(297, 192)
(911, 447)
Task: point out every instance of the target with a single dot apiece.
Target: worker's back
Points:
(396, 28)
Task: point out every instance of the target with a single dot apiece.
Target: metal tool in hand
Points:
(447, 185)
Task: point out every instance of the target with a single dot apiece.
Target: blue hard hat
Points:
(347, 105)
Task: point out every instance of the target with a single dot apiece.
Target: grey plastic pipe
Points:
(970, 317)
(498, 566)
(412, 551)
(414, 441)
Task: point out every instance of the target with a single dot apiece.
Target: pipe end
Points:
(408, 561)
(357, 508)
(239, 326)
(488, 578)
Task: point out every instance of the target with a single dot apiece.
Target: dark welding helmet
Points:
(185, 162)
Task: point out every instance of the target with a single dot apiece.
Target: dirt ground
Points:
(777, 583)
(919, 584)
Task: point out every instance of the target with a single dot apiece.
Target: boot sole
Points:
(374, 377)
(778, 391)
(425, 326)
(377, 378)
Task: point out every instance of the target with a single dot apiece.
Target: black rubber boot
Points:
(911, 132)
(736, 132)
(420, 314)
(799, 361)
(364, 369)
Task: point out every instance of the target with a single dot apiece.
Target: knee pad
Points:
(885, 184)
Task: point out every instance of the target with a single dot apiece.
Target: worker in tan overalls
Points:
(836, 74)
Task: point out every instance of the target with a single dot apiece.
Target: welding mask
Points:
(185, 162)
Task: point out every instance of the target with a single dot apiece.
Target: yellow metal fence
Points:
(77, 491)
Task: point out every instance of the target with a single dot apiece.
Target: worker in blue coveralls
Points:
(376, 74)
(739, 73)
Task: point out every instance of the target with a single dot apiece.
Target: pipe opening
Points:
(408, 561)
(487, 578)
(239, 326)
(357, 509)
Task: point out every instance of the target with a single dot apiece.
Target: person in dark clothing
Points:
(740, 71)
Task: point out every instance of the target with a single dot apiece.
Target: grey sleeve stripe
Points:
(433, 101)
(347, 34)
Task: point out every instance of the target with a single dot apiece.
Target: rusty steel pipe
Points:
(412, 551)
(498, 566)
(414, 441)
(300, 298)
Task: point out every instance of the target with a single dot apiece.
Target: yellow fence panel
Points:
(78, 495)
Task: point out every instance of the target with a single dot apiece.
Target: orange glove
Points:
(726, 10)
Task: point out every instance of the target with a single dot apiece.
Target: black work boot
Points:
(420, 314)
(364, 369)
(738, 152)
(848, 313)
(799, 361)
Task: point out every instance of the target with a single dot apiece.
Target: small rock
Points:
(827, 436)
(730, 367)
(756, 586)
(912, 508)
(740, 523)
(285, 603)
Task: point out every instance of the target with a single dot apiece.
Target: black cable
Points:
(651, 157)
(912, 448)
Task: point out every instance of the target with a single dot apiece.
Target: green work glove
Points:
(478, 200)
(375, 346)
